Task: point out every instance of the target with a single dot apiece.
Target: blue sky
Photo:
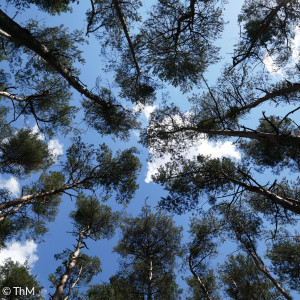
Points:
(40, 256)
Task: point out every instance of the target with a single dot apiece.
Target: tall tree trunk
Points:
(287, 203)
(202, 285)
(150, 275)
(73, 284)
(22, 36)
(71, 264)
(276, 139)
(261, 266)
(126, 32)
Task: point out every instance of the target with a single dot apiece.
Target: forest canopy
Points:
(222, 137)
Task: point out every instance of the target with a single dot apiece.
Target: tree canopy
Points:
(223, 148)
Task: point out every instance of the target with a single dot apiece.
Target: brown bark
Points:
(277, 139)
(287, 203)
(16, 204)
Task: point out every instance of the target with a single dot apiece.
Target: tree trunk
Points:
(73, 284)
(28, 198)
(202, 285)
(276, 139)
(150, 275)
(19, 35)
(287, 203)
(125, 30)
(72, 262)
(262, 267)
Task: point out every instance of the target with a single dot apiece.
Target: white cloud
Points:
(11, 184)
(35, 129)
(200, 145)
(55, 147)
(20, 253)
(271, 66)
(145, 109)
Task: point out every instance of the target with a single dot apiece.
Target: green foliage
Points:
(209, 280)
(110, 118)
(202, 177)
(32, 218)
(45, 95)
(174, 43)
(13, 274)
(284, 255)
(98, 168)
(267, 26)
(16, 153)
(151, 243)
(242, 280)
(50, 6)
(118, 288)
(98, 221)
(274, 154)
(85, 269)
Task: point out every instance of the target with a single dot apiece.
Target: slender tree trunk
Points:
(202, 285)
(73, 284)
(126, 32)
(71, 264)
(19, 35)
(262, 267)
(150, 275)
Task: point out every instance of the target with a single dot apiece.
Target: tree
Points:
(18, 281)
(118, 288)
(203, 247)
(86, 168)
(243, 280)
(91, 220)
(284, 255)
(247, 228)
(268, 30)
(81, 274)
(149, 246)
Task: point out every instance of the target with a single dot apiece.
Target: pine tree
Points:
(91, 221)
(149, 246)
